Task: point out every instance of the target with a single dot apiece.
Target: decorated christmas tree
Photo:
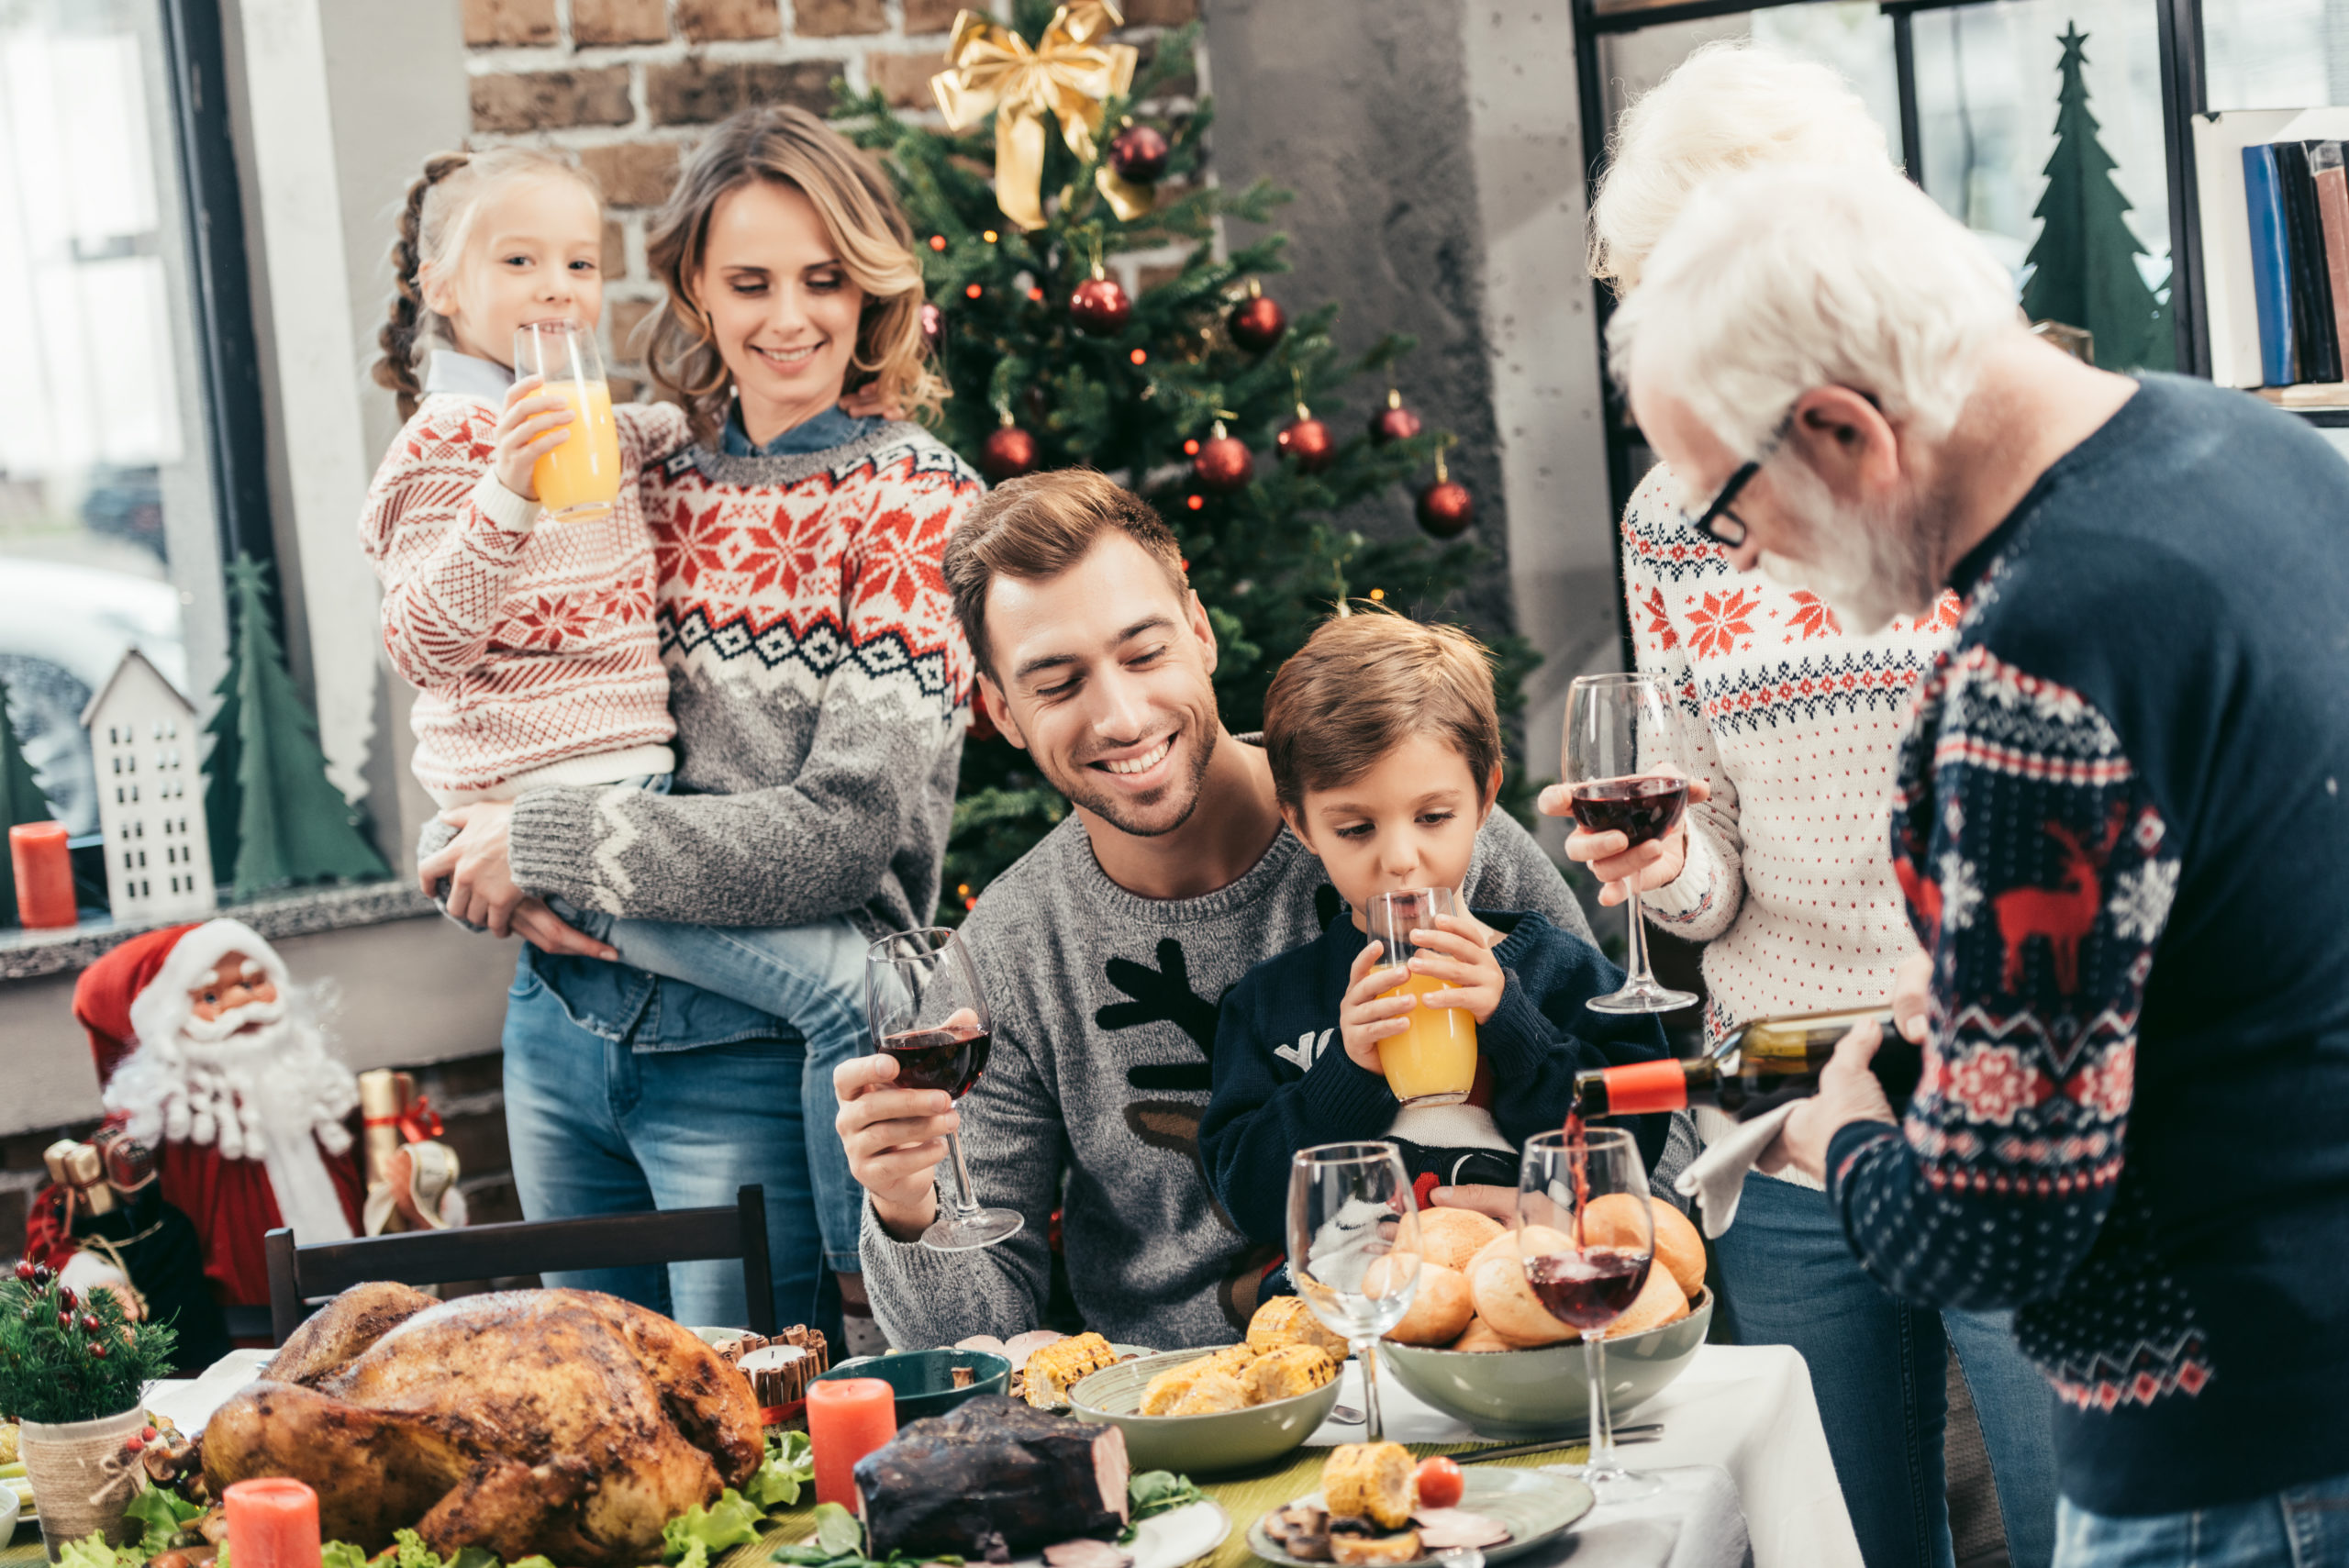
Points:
(1199, 390)
(273, 816)
(22, 800)
(2085, 261)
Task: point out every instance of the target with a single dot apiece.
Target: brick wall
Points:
(631, 84)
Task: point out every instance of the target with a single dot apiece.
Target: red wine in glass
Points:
(1588, 1289)
(948, 1059)
(1641, 809)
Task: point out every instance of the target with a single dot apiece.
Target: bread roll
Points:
(1658, 1303)
(1440, 1309)
(1454, 1237)
(1504, 1243)
(1479, 1339)
(1612, 1221)
(1507, 1303)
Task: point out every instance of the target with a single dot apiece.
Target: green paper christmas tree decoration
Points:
(1138, 397)
(273, 816)
(21, 801)
(2085, 260)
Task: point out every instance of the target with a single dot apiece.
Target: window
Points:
(107, 536)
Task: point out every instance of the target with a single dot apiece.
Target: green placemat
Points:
(1243, 1496)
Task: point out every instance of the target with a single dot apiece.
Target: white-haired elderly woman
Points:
(1784, 869)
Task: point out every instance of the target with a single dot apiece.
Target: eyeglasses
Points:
(1717, 522)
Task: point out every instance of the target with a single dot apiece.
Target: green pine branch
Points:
(69, 1358)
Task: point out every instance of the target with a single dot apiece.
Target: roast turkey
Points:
(563, 1422)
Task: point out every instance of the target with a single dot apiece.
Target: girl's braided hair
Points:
(434, 221)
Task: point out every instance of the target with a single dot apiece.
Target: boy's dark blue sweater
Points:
(1284, 1082)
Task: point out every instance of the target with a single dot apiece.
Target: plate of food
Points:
(1377, 1507)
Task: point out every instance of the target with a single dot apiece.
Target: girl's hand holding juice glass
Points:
(557, 442)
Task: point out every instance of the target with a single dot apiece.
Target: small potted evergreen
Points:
(72, 1374)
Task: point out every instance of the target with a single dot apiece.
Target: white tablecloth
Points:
(1744, 1414)
(1742, 1456)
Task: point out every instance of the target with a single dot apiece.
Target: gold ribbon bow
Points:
(992, 67)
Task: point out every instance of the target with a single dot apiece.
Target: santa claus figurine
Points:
(204, 1055)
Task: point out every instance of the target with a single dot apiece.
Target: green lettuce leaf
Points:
(408, 1551)
(534, 1561)
(837, 1530)
(341, 1554)
(789, 1465)
(689, 1540)
(164, 1513)
(92, 1551)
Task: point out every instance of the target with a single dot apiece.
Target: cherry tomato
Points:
(1440, 1484)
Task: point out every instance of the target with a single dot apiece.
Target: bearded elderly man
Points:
(1106, 949)
(2134, 1124)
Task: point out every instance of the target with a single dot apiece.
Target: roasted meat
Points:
(992, 1475)
(563, 1422)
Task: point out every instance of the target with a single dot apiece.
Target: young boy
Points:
(1385, 750)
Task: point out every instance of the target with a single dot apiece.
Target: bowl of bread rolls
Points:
(1478, 1344)
(1217, 1408)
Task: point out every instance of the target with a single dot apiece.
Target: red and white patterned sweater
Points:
(532, 647)
(1797, 727)
(820, 686)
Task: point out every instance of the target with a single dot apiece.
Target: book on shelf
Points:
(2274, 188)
(2308, 394)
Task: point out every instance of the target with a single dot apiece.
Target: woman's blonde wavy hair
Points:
(869, 233)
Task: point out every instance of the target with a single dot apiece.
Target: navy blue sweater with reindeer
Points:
(1284, 1082)
(2122, 822)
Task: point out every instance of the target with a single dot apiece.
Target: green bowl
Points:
(1196, 1445)
(924, 1380)
(1539, 1393)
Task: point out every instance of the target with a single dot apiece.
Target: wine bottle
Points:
(1762, 1064)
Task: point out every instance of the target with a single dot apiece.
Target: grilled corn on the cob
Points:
(1060, 1366)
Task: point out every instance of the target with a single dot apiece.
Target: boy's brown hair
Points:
(1363, 683)
(1037, 527)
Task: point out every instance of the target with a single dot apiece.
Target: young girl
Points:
(820, 687)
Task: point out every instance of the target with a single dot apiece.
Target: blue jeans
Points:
(810, 976)
(2307, 1527)
(1879, 1365)
(597, 1127)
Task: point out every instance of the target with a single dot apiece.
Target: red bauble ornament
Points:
(1394, 422)
(1138, 154)
(1224, 461)
(1258, 321)
(1101, 307)
(25, 1270)
(97, 1351)
(1307, 442)
(933, 326)
(1007, 454)
(90, 1324)
(1446, 509)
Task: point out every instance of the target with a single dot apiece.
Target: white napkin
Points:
(1715, 1177)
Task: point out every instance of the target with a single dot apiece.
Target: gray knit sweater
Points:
(1104, 1012)
(819, 683)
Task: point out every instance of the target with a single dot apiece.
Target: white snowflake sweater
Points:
(1796, 728)
(532, 648)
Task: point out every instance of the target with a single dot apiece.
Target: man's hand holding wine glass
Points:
(1613, 859)
(1848, 1092)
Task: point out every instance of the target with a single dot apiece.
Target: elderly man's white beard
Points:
(1867, 563)
(215, 1083)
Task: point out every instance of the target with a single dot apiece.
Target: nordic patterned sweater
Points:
(820, 687)
(1284, 1082)
(1796, 724)
(531, 646)
(2123, 821)
(1104, 1008)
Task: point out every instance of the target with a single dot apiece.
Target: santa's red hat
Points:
(141, 986)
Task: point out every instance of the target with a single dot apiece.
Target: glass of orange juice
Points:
(578, 481)
(1433, 1062)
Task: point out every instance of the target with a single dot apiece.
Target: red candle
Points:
(272, 1523)
(848, 1417)
(44, 874)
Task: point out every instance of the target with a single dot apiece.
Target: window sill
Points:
(31, 954)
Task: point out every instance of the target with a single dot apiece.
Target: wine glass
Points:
(1353, 1248)
(922, 996)
(1619, 772)
(1586, 1240)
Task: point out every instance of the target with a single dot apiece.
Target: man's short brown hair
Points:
(1362, 684)
(1037, 527)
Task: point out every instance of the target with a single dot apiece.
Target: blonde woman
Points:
(1784, 870)
(819, 686)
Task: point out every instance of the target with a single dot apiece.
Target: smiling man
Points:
(2133, 1121)
(1105, 950)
